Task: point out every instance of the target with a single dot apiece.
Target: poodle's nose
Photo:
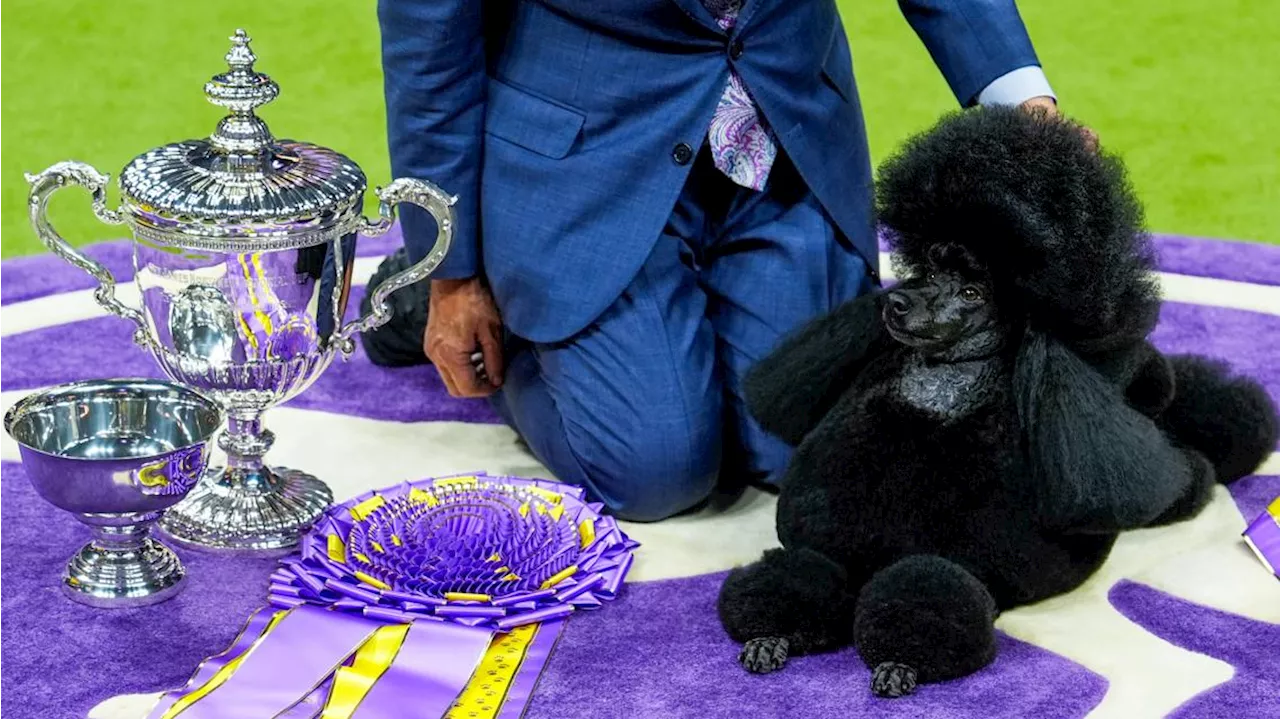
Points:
(899, 302)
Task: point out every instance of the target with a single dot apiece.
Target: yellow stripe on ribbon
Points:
(560, 577)
(587, 531)
(337, 549)
(552, 497)
(351, 684)
(371, 581)
(466, 597)
(556, 512)
(467, 482)
(487, 691)
(365, 508)
(419, 495)
(222, 674)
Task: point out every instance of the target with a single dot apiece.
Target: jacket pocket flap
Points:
(530, 121)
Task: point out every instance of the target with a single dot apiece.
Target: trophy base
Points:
(148, 573)
(265, 514)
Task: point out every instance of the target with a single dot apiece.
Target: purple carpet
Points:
(659, 650)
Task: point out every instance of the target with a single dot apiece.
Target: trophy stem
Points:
(246, 442)
(122, 566)
(247, 507)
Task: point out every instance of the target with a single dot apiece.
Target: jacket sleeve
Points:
(973, 42)
(433, 63)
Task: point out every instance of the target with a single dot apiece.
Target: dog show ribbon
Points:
(1263, 536)
(437, 598)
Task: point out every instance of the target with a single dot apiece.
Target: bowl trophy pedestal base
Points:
(123, 568)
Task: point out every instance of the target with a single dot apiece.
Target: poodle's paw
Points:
(764, 655)
(891, 680)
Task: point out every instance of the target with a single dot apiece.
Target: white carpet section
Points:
(1203, 560)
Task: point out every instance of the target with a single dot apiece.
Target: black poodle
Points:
(975, 438)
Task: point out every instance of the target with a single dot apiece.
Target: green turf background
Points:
(1187, 90)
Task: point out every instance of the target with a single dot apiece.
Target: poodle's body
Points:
(976, 438)
(893, 471)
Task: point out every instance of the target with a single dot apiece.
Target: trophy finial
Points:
(241, 90)
(240, 57)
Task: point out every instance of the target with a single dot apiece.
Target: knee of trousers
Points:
(652, 475)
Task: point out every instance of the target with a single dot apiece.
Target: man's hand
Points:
(1048, 107)
(463, 321)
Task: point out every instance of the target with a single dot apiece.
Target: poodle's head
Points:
(1050, 221)
(947, 312)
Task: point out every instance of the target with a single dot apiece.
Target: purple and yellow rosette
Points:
(1263, 537)
(437, 598)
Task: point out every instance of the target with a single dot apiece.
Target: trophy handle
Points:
(430, 198)
(43, 185)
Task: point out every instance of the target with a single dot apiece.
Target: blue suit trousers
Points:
(645, 406)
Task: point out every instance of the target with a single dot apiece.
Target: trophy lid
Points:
(241, 189)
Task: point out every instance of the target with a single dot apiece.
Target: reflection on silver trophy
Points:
(117, 454)
(243, 251)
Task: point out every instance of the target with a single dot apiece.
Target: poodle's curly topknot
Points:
(1053, 220)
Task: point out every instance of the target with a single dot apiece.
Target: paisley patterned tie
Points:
(742, 146)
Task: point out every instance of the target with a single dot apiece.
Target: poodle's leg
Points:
(791, 602)
(1198, 493)
(923, 619)
(1228, 417)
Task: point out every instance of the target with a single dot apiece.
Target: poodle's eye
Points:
(931, 277)
(971, 294)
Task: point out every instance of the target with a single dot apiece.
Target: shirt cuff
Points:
(1016, 87)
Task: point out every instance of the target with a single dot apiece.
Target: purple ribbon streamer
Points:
(535, 662)
(1263, 535)
(252, 630)
(493, 537)
(299, 654)
(434, 665)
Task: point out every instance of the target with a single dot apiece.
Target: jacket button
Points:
(682, 153)
(735, 49)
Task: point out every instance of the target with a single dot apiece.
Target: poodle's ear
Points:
(1096, 463)
(792, 388)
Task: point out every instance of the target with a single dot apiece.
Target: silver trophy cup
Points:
(116, 453)
(243, 251)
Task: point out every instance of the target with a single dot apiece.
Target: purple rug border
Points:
(1237, 260)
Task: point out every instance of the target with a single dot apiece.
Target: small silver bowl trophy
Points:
(243, 251)
(116, 453)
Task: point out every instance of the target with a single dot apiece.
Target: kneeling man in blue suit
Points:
(651, 194)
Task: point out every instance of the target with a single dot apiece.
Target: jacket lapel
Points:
(699, 12)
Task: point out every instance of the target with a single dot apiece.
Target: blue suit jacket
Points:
(555, 121)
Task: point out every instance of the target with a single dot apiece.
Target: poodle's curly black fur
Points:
(975, 438)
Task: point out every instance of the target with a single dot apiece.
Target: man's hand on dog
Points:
(1049, 108)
